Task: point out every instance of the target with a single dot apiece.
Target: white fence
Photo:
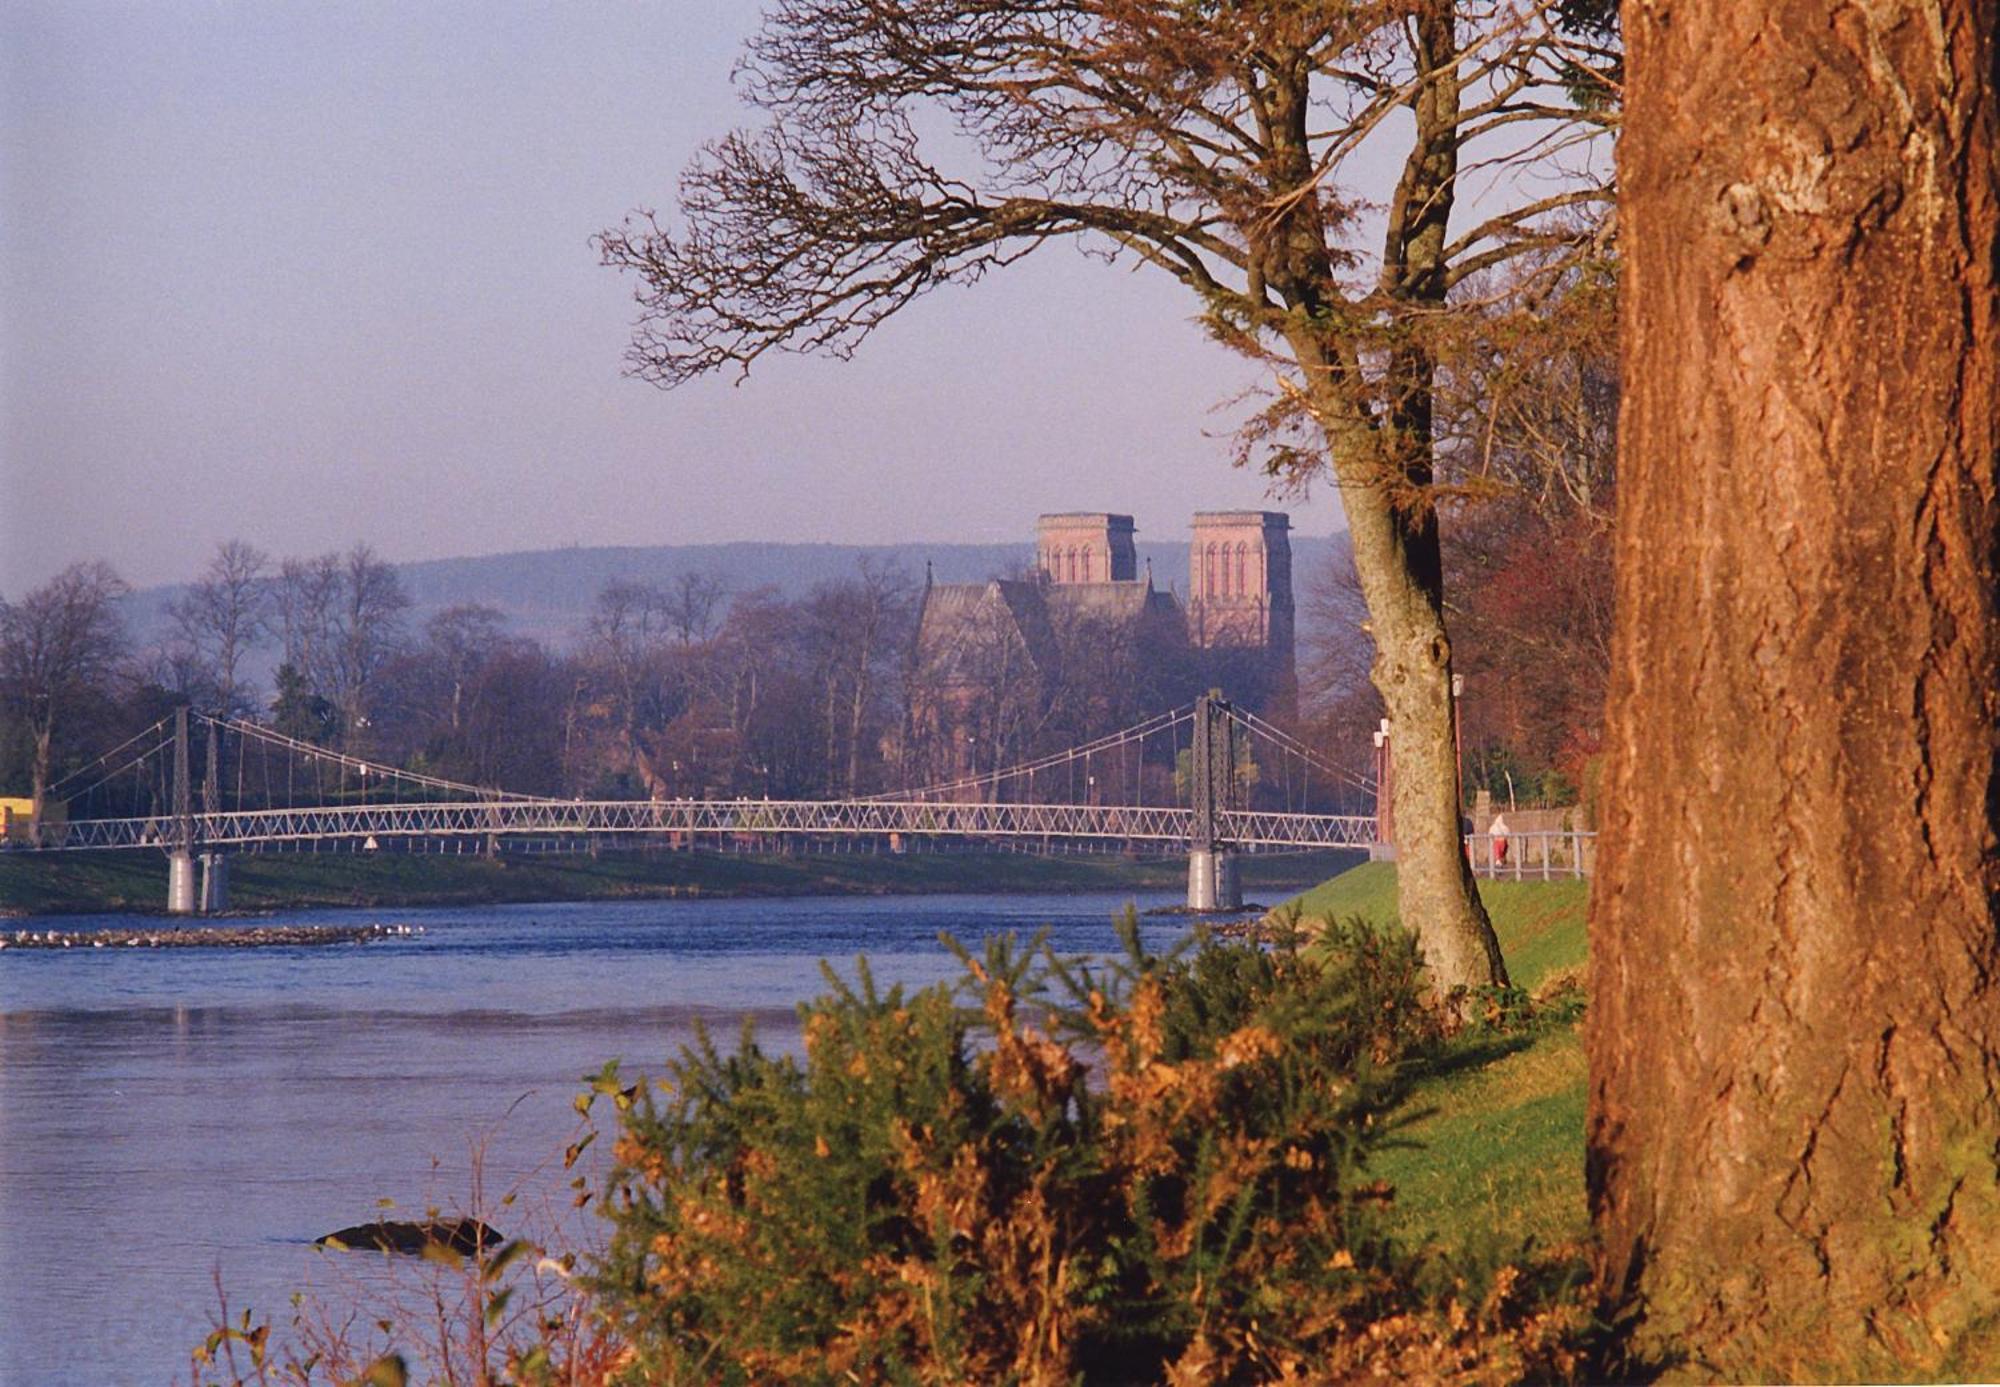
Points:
(1532, 855)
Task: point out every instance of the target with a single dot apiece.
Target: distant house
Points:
(17, 818)
(1085, 645)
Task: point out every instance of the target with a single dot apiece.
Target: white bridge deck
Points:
(707, 818)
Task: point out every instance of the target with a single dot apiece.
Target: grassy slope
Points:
(56, 883)
(1494, 1152)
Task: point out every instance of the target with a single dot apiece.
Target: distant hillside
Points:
(548, 593)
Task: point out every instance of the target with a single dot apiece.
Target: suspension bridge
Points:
(272, 790)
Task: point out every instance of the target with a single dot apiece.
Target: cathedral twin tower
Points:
(1239, 572)
(1239, 606)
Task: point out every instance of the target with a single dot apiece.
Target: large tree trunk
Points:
(1794, 1035)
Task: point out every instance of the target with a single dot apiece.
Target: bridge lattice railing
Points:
(712, 818)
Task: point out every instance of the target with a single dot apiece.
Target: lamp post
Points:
(1385, 786)
(1458, 737)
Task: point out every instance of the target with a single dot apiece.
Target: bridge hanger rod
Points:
(1251, 722)
(275, 738)
(1139, 731)
(87, 766)
(1159, 722)
(108, 776)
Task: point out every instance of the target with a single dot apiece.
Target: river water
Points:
(171, 1120)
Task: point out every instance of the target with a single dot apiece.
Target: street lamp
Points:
(1457, 738)
(1385, 785)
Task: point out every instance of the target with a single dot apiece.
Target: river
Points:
(175, 1119)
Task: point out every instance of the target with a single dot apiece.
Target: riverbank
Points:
(1490, 1162)
(35, 884)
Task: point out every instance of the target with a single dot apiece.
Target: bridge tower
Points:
(1212, 880)
(180, 846)
(214, 866)
(184, 848)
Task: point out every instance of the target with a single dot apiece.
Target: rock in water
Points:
(464, 1236)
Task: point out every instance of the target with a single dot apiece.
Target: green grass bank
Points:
(1491, 1153)
(55, 883)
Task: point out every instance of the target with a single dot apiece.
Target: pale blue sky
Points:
(305, 274)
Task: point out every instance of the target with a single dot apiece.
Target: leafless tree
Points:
(367, 630)
(471, 702)
(1209, 142)
(459, 640)
(224, 615)
(857, 629)
(305, 597)
(60, 644)
(1528, 397)
(691, 605)
(623, 641)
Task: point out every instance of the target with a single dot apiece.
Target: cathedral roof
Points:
(959, 618)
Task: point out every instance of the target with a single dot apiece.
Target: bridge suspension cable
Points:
(272, 737)
(88, 766)
(1137, 732)
(111, 775)
(1250, 722)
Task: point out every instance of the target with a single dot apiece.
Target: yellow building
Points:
(17, 818)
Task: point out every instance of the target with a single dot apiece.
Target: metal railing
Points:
(703, 818)
(1532, 854)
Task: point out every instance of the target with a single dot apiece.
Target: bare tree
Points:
(58, 645)
(366, 632)
(1208, 142)
(690, 606)
(224, 615)
(1794, 1027)
(858, 629)
(1528, 397)
(473, 703)
(459, 641)
(624, 635)
(305, 597)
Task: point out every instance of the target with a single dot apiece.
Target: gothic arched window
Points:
(1242, 586)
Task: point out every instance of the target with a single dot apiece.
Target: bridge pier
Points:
(180, 883)
(214, 883)
(180, 857)
(1212, 880)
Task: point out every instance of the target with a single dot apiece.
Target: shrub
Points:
(1155, 1170)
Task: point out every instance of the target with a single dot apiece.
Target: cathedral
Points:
(1084, 643)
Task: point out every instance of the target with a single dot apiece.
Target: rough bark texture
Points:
(1435, 892)
(1794, 1033)
(1400, 568)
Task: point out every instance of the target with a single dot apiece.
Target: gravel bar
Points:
(206, 937)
